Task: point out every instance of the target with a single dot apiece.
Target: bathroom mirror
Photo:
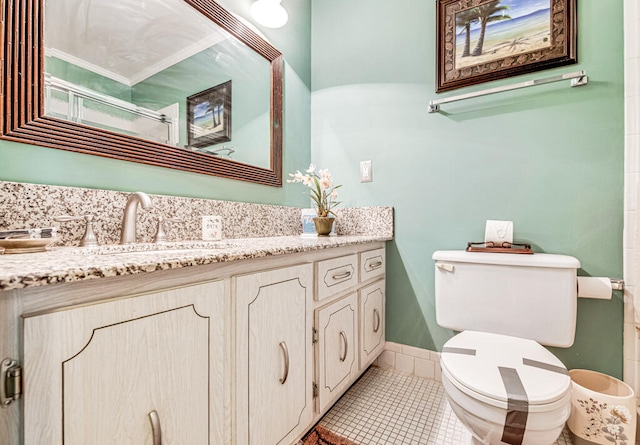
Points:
(205, 97)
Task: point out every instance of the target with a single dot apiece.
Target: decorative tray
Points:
(499, 248)
(25, 245)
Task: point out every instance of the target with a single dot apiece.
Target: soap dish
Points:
(26, 245)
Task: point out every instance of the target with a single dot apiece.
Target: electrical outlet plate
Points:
(211, 228)
(366, 174)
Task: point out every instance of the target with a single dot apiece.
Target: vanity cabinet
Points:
(349, 321)
(128, 370)
(337, 332)
(249, 352)
(274, 355)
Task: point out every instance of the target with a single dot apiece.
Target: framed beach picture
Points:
(484, 40)
(209, 116)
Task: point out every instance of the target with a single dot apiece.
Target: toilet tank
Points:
(528, 296)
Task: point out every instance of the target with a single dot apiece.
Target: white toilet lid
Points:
(502, 370)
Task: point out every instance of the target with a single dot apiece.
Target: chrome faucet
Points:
(128, 230)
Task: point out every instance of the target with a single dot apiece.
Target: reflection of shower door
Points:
(78, 104)
(97, 373)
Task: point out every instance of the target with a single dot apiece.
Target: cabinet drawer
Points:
(372, 264)
(335, 275)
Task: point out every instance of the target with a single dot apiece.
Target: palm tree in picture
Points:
(489, 12)
(464, 19)
(216, 107)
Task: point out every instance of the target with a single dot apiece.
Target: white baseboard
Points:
(410, 360)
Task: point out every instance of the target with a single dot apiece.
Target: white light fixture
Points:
(269, 13)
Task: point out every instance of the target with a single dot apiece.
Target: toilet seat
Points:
(501, 370)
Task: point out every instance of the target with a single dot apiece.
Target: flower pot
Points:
(324, 224)
(603, 409)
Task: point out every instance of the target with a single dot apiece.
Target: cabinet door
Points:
(372, 339)
(94, 374)
(337, 348)
(273, 355)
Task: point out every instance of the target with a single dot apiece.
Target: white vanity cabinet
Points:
(274, 355)
(246, 352)
(128, 370)
(349, 320)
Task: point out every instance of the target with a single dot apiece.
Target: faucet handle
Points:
(89, 237)
(160, 236)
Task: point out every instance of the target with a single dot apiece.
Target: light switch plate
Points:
(366, 174)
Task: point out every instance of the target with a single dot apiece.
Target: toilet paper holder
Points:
(617, 284)
(600, 288)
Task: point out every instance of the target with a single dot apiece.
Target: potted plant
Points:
(323, 193)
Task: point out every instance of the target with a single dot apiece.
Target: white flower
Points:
(307, 180)
(326, 181)
(297, 177)
(621, 412)
(323, 191)
(612, 429)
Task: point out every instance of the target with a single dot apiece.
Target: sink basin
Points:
(182, 247)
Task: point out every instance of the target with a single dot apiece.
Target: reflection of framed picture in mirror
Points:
(209, 116)
(483, 40)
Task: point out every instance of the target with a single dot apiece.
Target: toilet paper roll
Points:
(498, 232)
(594, 287)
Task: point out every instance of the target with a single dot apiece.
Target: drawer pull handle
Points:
(285, 351)
(375, 265)
(155, 427)
(376, 321)
(346, 346)
(342, 276)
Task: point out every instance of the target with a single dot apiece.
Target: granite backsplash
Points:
(24, 205)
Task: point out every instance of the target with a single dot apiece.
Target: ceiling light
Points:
(269, 13)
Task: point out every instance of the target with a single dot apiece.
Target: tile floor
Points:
(386, 407)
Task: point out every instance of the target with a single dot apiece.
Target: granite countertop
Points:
(69, 264)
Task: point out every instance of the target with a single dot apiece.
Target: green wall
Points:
(549, 158)
(250, 86)
(33, 164)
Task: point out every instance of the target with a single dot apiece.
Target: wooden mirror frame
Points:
(22, 101)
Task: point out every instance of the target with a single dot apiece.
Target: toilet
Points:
(502, 384)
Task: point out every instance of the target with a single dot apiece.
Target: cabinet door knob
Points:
(285, 351)
(155, 427)
(376, 321)
(346, 346)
